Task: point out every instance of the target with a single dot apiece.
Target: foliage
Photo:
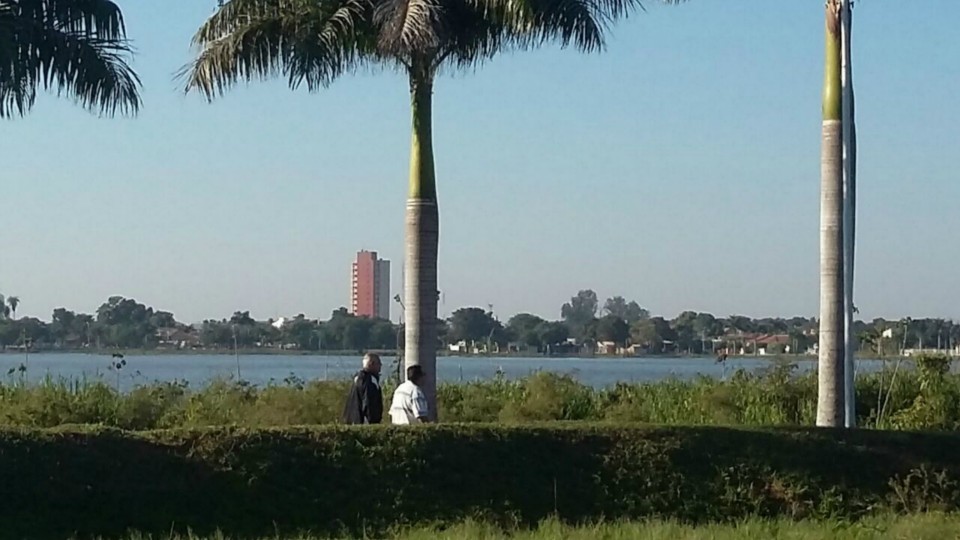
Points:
(369, 480)
(524, 328)
(881, 527)
(629, 312)
(546, 396)
(652, 334)
(924, 490)
(552, 333)
(579, 312)
(937, 404)
(778, 396)
(78, 49)
(474, 324)
(13, 302)
(166, 405)
(611, 328)
(128, 324)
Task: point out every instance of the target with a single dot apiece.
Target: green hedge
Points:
(55, 483)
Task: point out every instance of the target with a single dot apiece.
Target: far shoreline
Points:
(393, 353)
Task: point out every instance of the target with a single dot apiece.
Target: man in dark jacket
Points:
(365, 399)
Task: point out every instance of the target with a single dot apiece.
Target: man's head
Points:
(371, 363)
(415, 374)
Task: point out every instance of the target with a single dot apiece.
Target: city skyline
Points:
(691, 187)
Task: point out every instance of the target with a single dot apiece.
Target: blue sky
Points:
(680, 169)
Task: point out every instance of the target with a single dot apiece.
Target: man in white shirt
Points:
(409, 402)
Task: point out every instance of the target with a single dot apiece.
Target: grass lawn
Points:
(915, 527)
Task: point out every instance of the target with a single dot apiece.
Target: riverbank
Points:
(388, 352)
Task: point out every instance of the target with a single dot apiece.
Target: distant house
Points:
(773, 344)
(606, 347)
(760, 344)
(176, 338)
(460, 347)
(738, 343)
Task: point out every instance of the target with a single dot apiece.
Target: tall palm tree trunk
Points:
(830, 404)
(423, 233)
(849, 211)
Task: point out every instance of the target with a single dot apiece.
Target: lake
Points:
(197, 369)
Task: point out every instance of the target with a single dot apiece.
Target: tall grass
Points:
(918, 527)
(914, 527)
(924, 398)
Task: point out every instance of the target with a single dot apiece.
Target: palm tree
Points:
(849, 128)
(313, 42)
(830, 393)
(4, 309)
(954, 339)
(77, 47)
(13, 302)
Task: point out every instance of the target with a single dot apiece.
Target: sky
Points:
(679, 168)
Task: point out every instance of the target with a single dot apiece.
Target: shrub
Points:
(937, 405)
(548, 396)
(330, 480)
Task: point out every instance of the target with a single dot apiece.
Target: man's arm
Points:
(420, 408)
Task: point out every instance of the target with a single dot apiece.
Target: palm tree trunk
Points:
(830, 405)
(423, 232)
(848, 128)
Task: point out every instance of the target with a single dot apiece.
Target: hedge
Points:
(105, 482)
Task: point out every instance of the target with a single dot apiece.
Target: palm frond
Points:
(309, 41)
(581, 22)
(92, 71)
(77, 47)
(410, 27)
(475, 35)
(535, 22)
(485, 27)
(100, 18)
(17, 83)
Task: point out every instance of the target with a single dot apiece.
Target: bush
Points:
(548, 396)
(476, 401)
(937, 404)
(267, 482)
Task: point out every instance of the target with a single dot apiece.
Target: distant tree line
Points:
(124, 323)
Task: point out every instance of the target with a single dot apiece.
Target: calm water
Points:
(264, 369)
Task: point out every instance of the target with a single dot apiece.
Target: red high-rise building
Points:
(370, 286)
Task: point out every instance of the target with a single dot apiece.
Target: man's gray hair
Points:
(369, 359)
